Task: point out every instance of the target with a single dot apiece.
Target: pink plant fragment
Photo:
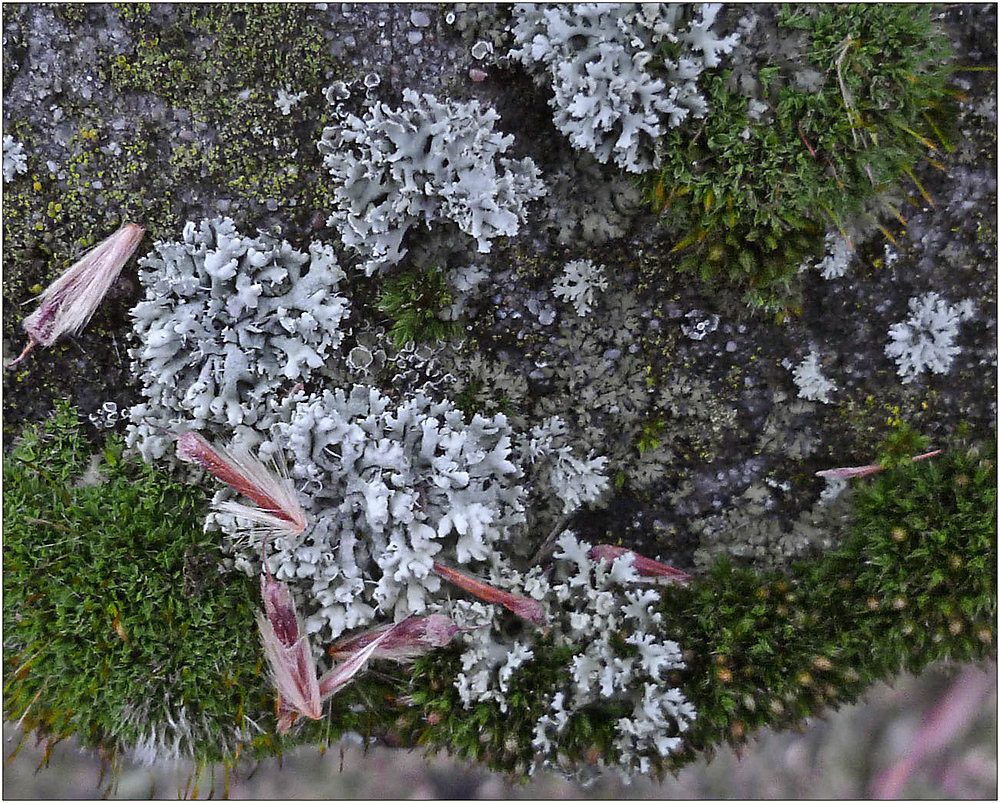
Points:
(864, 471)
(277, 506)
(70, 301)
(646, 567)
(338, 677)
(943, 725)
(289, 655)
(525, 607)
(404, 641)
(290, 659)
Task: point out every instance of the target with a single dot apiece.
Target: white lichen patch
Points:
(287, 99)
(226, 321)
(575, 480)
(388, 488)
(588, 602)
(809, 379)
(427, 163)
(614, 90)
(15, 160)
(837, 259)
(925, 341)
(579, 283)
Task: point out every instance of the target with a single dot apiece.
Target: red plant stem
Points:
(31, 344)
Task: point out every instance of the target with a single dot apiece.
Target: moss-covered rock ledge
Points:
(119, 630)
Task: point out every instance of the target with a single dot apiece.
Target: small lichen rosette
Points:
(388, 488)
(597, 606)
(226, 321)
(926, 339)
(425, 163)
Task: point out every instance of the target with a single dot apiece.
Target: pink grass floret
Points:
(277, 506)
(645, 567)
(288, 655)
(342, 674)
(404, 641)
(863, 471)
(525, 607)
(71, 300)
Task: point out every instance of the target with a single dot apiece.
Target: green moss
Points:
(414, 302)
(117, 620)
(650, 434)
(114, 618)
(914, 582)
(754, 199)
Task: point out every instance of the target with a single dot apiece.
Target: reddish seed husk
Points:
(646, 567)
(71, 300)
(525, 607)
(405, 640)
(277, 505)
(863, 471)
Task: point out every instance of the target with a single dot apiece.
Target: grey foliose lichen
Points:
(388, 488)
(750, 530)
(429, 163)
(15, 160)
(579, 283)
(839, 256)
(808, 377)
(614, 92)
(589, 201)
(226, 321)
(926, 339)
(573, 480)
(590, 605)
